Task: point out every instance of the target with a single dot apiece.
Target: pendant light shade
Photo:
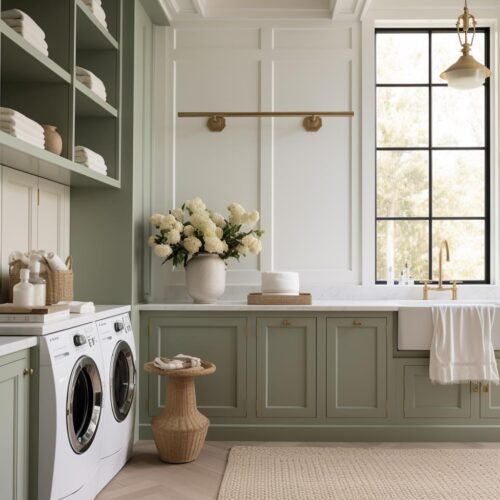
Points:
(466, 72)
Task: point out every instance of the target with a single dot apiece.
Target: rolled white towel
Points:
(18, 255)
(13, 116)
(23, 136)
(55, 262)
(27, 24)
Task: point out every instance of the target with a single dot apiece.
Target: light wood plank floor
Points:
(145, 477)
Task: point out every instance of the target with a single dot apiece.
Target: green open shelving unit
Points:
(45, 89)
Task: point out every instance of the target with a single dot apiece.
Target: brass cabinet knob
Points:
(28, 371)
(285, 322)
(486, 387)
(357, 323)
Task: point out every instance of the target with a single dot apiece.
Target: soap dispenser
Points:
(23, 293)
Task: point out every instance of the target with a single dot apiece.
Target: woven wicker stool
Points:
(180, 431)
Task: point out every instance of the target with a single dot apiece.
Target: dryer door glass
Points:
(83, 405)
(123, 377)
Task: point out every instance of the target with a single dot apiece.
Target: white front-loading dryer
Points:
(70, 414)
(120, 376)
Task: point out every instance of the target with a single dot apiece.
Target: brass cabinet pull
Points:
(357, 323)
(486, 387)
(285, 322)
(28, 371)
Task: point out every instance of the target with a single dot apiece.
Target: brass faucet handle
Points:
(425, 290)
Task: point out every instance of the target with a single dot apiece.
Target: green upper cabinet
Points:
(219, 340)
(14, 430)
(286, 367)
(423, 399)
(356, 367)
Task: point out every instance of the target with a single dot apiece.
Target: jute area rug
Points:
(307, 473)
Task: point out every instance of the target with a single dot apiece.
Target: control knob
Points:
(79, 340)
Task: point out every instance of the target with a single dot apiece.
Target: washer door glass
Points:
(84, 404)
(122, 380)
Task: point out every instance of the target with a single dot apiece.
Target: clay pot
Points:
(53, 140)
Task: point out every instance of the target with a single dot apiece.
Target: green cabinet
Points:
(356, 367)
(423, 399)
(14, 426)
(221, 340)
(286, 367)
(490, 400)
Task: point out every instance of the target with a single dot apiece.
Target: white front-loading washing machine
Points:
(120, 376)
(70, 414)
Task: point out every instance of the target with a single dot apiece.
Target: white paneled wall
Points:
(305, 184)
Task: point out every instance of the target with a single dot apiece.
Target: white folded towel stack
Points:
(23, 24)
(462, 346)
(91, 81)
(16, 124)
(179, 362)
(96, 7)
(91, 159)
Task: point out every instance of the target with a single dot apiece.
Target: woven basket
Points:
(59, 283)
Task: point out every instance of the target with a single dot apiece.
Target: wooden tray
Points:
(259, 299)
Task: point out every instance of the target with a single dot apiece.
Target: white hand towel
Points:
(10, 123)
(91, 82)
(36, 42)
(18, 255)
(55, 262)
(28, 25)
(9, 114)
(76, 307)
(84, 153)
(40, 143)
(98, 163)
(462, 347)
(23, 129)
(98, 11)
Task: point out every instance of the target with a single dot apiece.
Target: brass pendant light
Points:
(466, 73)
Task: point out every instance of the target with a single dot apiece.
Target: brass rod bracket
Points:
(312, 123)
(216, 123)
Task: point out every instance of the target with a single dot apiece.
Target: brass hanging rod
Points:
(217, 120)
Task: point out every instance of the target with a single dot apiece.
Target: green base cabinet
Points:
(356, 367)
(219, 340)
(14, 426)
(286, 368)
(312, 376)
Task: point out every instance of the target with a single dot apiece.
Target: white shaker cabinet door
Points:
(18, 215)
(53, 217)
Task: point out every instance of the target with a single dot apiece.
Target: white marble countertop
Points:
(8, 345)
(359, 305)
(27, 329)
(317, 305)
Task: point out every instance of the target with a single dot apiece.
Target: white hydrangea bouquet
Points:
(193, 229)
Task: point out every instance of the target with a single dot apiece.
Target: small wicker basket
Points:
(59, 283)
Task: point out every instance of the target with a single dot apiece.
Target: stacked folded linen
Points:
(91, 159)
(96, 7)
(16, 124)
(178, 362)
(23, 24)
(91, 81)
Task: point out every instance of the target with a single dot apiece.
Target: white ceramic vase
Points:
(205, 278)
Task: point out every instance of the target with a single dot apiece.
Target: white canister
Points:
(280, 282)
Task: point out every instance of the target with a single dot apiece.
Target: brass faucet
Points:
(440, 287)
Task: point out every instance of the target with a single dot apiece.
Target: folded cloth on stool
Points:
(179, 362)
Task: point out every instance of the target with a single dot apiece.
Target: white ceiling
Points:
(185, 10)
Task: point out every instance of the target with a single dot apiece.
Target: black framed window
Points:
(432, 158)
